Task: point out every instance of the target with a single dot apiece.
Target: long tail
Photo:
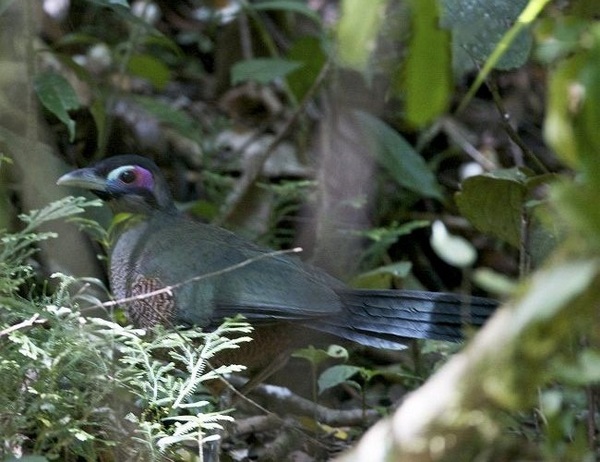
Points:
(386, 318)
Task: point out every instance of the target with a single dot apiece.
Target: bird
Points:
(215, 273)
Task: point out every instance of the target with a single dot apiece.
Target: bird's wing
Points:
(219, 274)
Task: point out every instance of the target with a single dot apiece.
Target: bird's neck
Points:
(121, 222)
(126, 221)
(138, 204)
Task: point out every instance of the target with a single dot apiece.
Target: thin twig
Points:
(455, 132)
(245, 35)
(510, 131)
(234, 381)
(294, 403)
(27, 323)
(169, 289)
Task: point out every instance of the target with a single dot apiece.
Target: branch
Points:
(290, 403)
(27, 323)
(508, 128)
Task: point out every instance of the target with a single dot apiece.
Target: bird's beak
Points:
(85, 178)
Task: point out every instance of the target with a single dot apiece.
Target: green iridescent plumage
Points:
(216, 273)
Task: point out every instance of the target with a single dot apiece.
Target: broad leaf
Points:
(579, 213)
(315, 356)
(587, 120)
(551, 291)
(111, 3)
(57, 95)
(292, 6)
(336, 375)
(585, 371)
(121, 8)
(382, 277)
(494, 202)
(571, 126)
(399, 158)
(151, 69)
(357, 31)
(426, 92)
(478, 26)
(98, 113)
(175, 118)
(309, 52)
(262, 70)
(558, 126)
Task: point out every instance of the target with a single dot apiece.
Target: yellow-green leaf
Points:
(150, 68)
(357, 31)
(427, 73)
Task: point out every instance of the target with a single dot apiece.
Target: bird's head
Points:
(128, 183)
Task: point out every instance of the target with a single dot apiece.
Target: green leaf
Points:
(118, 6)
(524, 20)
(477, 28)
(552, 290)
(309, 52)
(175, 118)
(262, 70)
(292, 6)
(573, 112)
(382, 277)
(336, 375)
(399, 158)
(62, 208)
(98, 112)
(494, 203)
(150, 68)
(383, 238)
(587, 119)
(585, 371)
(121, 8)
(558, 39)
(316, 356)
(74, 39)
(111, 3)
(426, 93)
(313, 355)
(558, 127)
(357, 31)
(57, 95)
(579, 212)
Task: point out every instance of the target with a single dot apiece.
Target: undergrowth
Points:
(76, 387)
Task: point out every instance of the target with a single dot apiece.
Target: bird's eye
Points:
(130, 176)
(127, 176)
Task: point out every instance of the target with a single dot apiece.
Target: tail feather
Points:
(386, 318)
